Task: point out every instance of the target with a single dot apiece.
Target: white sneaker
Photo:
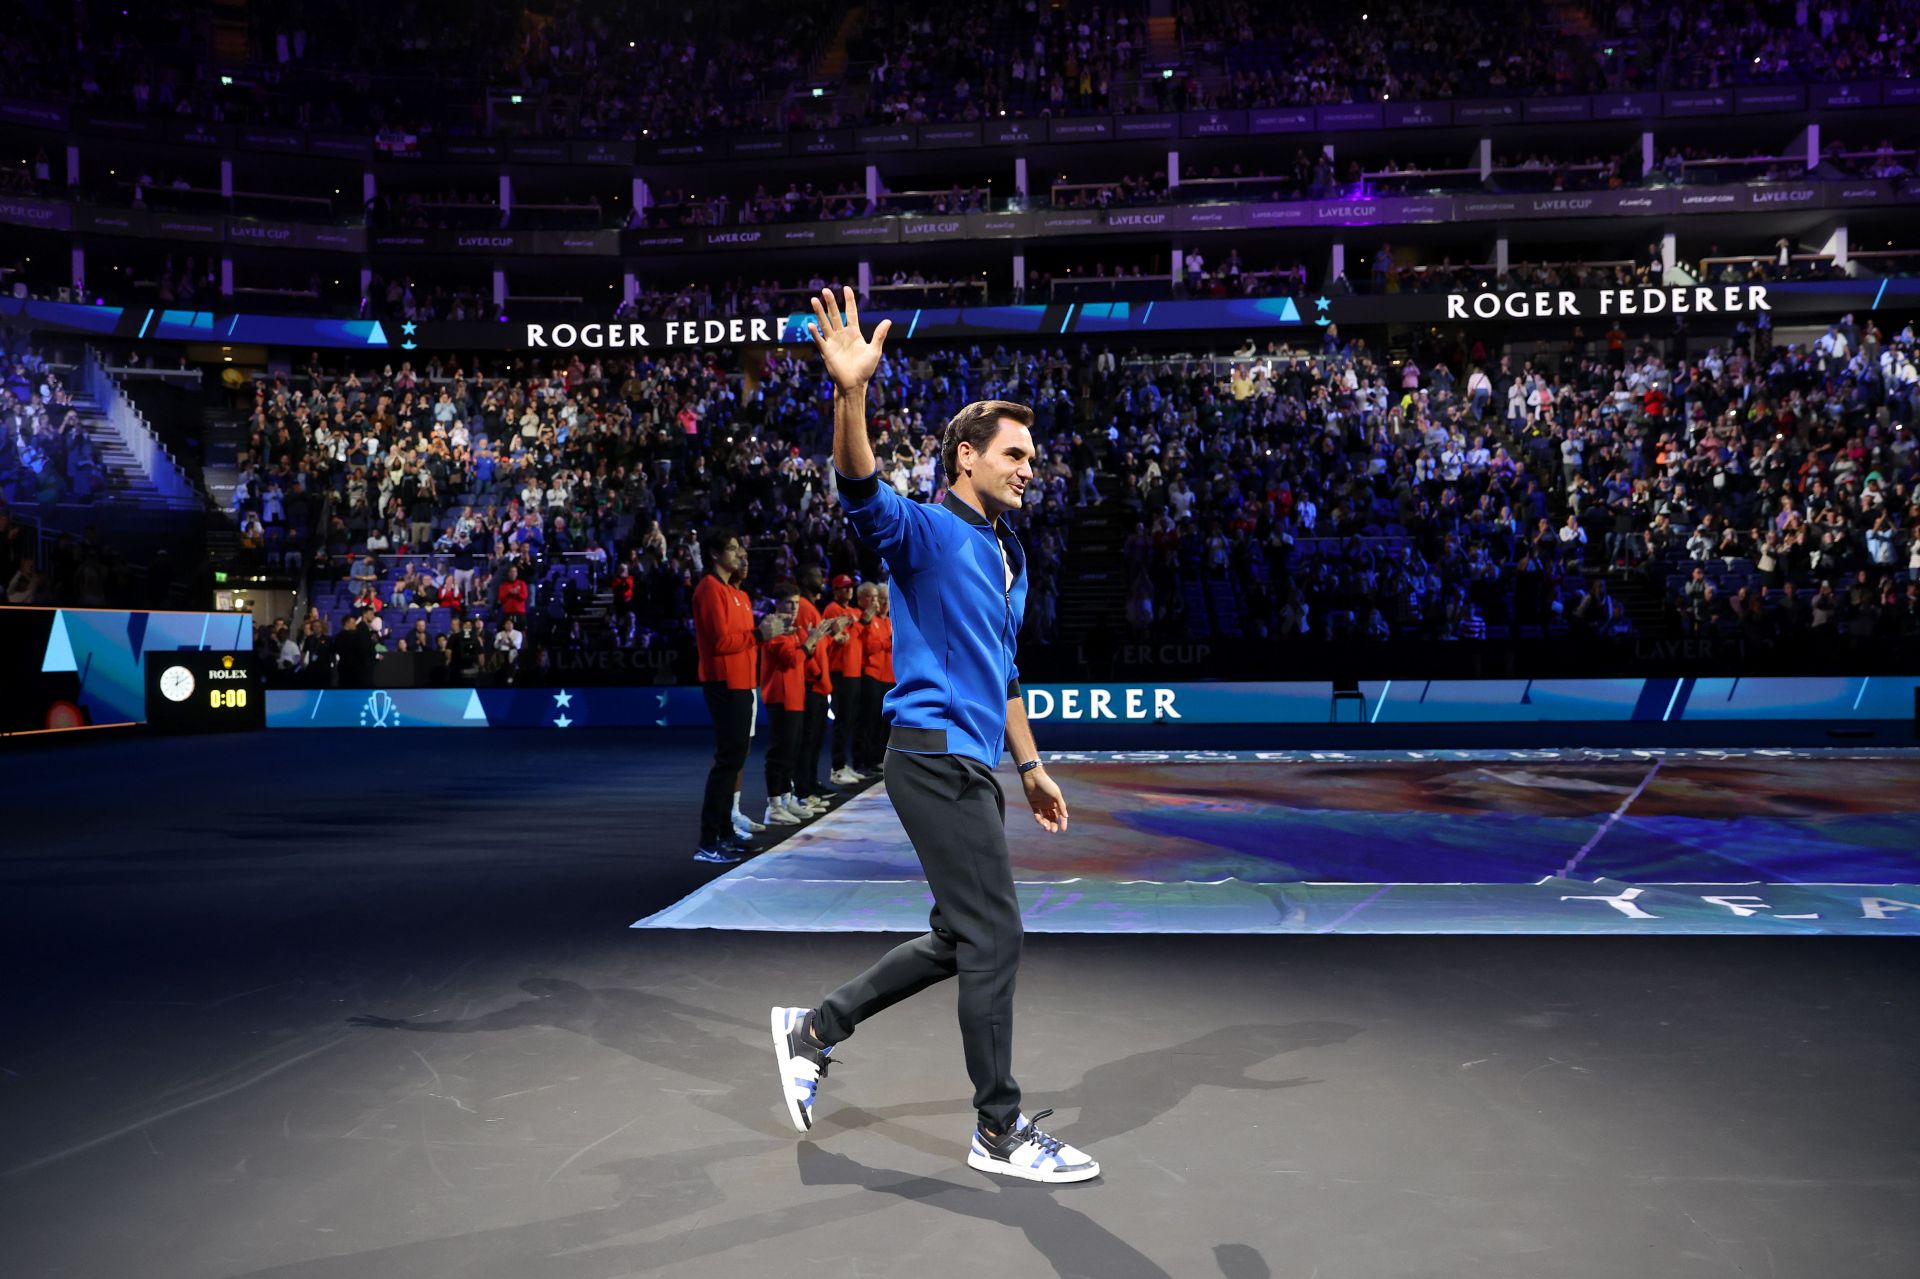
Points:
(816, 805)
(802, 1064)
(796, 808)
(1029, 1153)
(844, 777)
(743, 822)
(777, 815)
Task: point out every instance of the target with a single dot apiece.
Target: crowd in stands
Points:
(1883, 160)
(45, 568)
(1452, 493)
(1346, 496)
(485, 518)
(399, 297)
(653, 69)
(1692, 44)
(49, 465)
(804, 202)
(46, 457)
(449, 209)
(456, 497)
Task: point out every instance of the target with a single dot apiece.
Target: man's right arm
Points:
(851, 361)
(852, 451)
(884, 520)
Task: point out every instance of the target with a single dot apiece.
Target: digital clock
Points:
(197, 691)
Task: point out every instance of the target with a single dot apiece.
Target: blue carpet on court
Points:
(1577, 841)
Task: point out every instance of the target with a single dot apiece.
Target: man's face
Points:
(733, 557)
(842, 594)
(1002, 471)
(788, 607)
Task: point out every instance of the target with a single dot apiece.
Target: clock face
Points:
(177, 683)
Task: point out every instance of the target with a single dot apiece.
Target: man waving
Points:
(955, 706)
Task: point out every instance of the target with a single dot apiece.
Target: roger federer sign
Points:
(647, 334)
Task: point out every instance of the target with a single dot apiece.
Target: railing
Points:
(930, 287)
(1054, 196)
(1911, 156)
(1284, 187)
(1890, 257)
(1764, 259)
(1371, 178)
(1129, 288)
(156, 460)
(261, 291)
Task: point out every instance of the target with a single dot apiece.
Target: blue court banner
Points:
(1838, 699)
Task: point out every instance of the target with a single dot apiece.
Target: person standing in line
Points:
(847, 656)
(724, 634)
(876, 678)
(816, 795)
(783, 683)
(956, 708)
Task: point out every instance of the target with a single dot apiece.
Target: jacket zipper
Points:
(1007, 629)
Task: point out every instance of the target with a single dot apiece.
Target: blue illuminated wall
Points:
(1839, 699)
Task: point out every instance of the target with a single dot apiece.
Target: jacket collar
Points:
(1001, 529)
(964, 509)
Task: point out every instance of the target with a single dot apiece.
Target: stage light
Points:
(226, 81)
(819, 92)
(515, 99)
(1167, 74)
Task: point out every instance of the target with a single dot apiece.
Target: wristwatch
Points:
(1029, 766)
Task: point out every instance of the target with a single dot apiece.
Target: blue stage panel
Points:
(1633, 842)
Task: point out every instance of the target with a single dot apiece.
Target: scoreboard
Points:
(199, 691)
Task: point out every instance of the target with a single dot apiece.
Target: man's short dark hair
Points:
(977, 424)
(714, 541)
(785, 588)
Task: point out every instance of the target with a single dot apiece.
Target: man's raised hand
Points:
(851, 359)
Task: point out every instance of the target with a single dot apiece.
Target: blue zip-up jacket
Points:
(955, 618)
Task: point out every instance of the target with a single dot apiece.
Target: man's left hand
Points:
(1049, 808)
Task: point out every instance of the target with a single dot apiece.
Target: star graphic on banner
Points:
(409, 328)
(1321, 304)
(562, 722)
(563, 698)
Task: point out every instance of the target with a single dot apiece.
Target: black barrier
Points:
(1386, 211)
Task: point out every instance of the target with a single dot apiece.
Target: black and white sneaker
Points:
(803, 1063)
(1028, 1152)
(720, 852)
